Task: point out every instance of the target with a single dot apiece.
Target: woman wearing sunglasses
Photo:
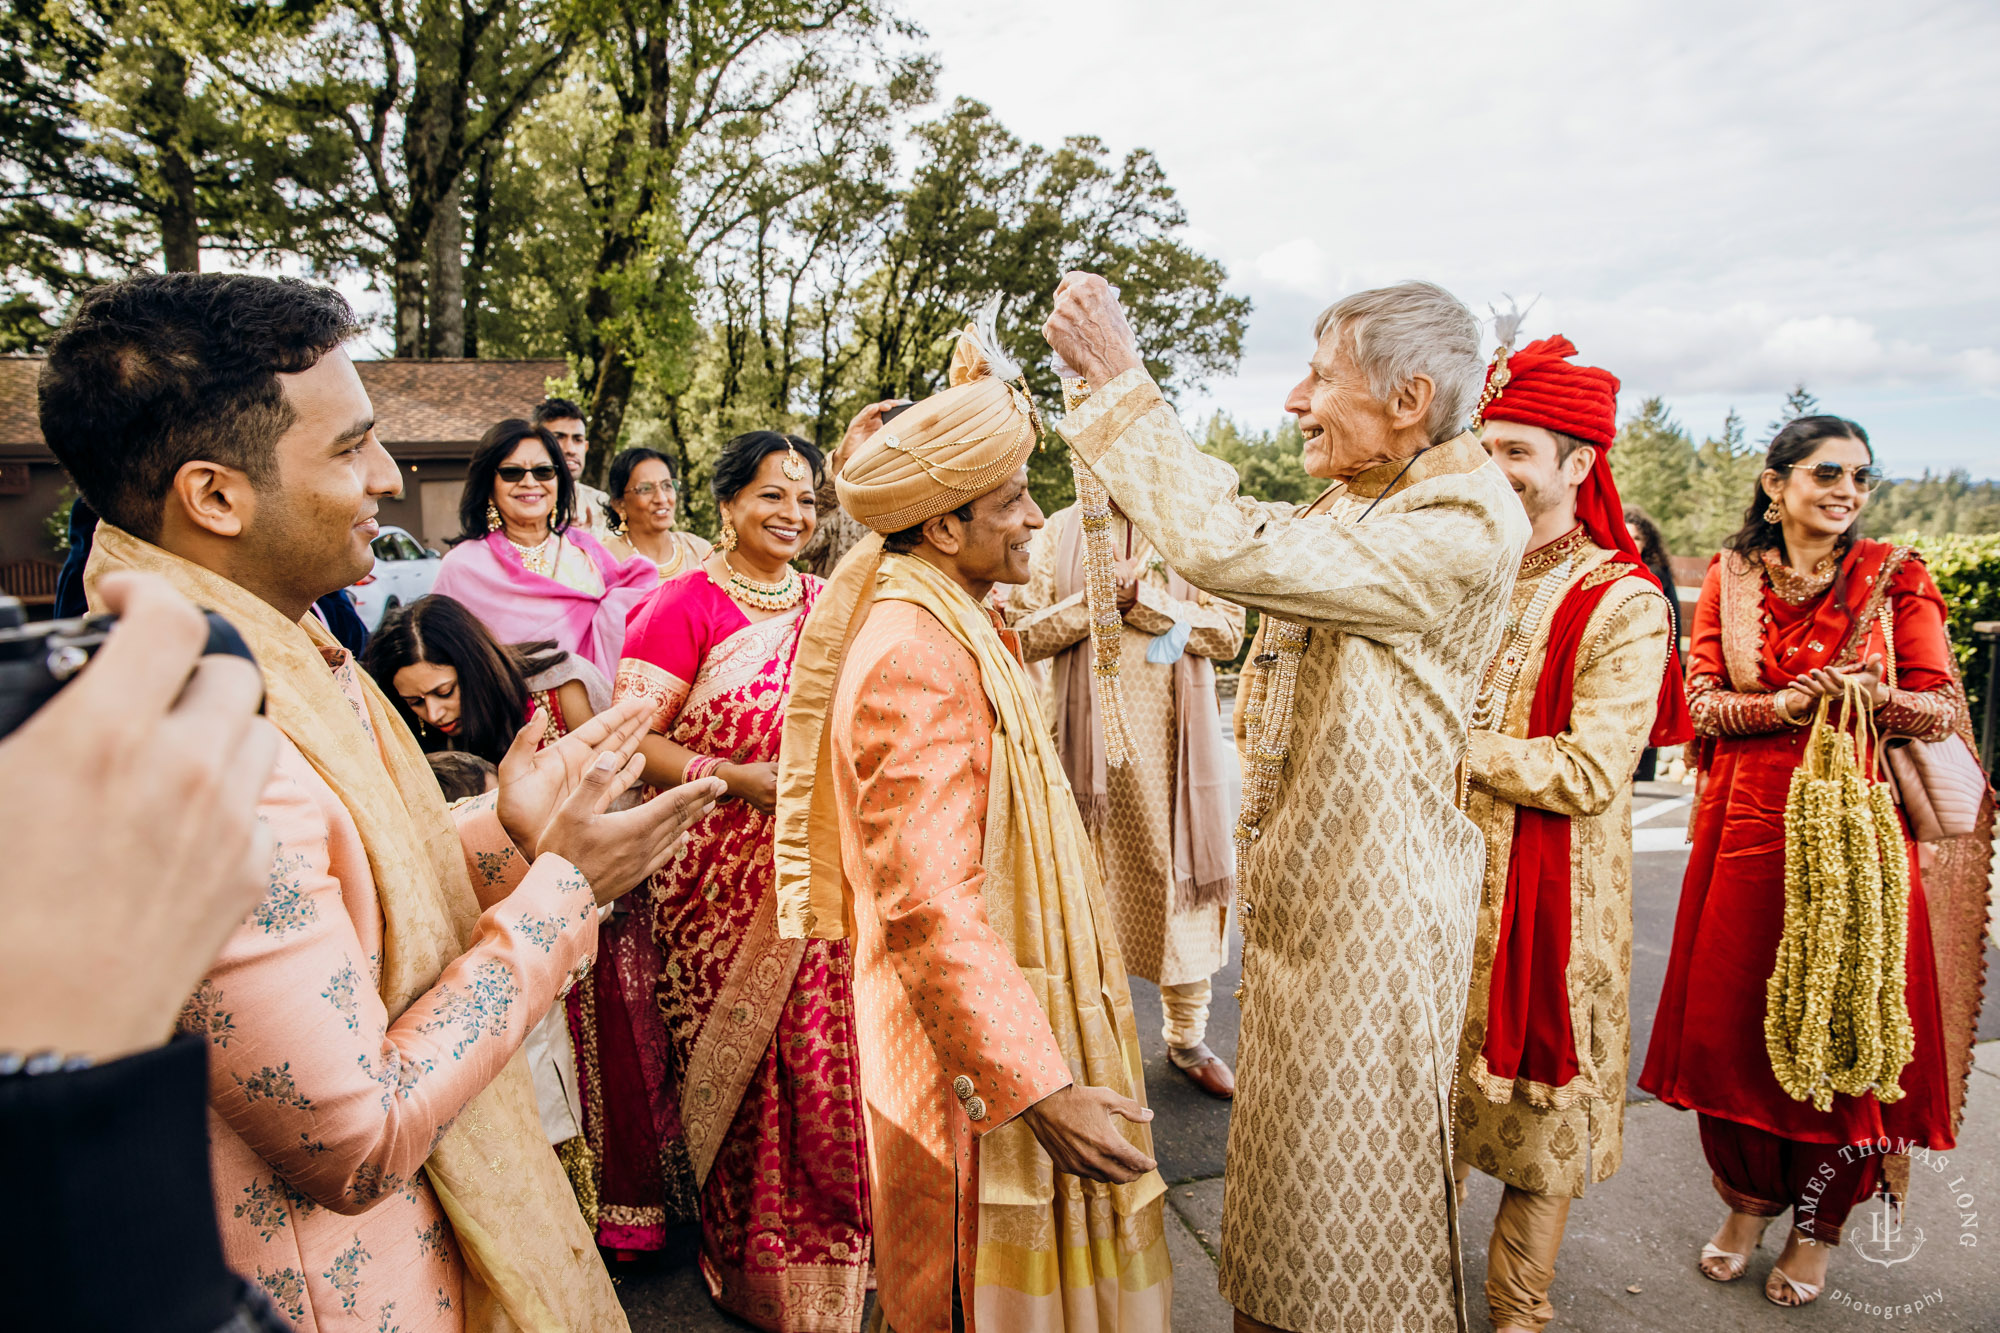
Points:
(521, 568)
(1796, 605)
(644, 501)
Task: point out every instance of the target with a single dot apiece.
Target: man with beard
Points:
(1587, 674)
(1359, 875)
(922, 807)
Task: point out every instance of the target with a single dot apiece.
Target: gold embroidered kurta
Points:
(1360, 895)
(1532, 1141)
(1135, 844)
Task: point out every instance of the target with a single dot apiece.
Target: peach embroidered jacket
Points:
(322, 1108)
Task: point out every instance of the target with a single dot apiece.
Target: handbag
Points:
(1939, 784)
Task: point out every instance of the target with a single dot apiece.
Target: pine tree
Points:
(1655, 461)
(1798, 403)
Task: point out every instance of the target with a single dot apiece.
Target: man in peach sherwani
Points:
(377, 1158)
(922, 806)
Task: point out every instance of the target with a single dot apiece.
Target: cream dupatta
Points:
(531, 1261)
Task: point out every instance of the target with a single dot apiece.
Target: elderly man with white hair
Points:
(1383, 601)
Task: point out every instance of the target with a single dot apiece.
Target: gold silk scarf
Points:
(1042, 893)
(532, 1264)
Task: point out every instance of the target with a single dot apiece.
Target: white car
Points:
(404, 571)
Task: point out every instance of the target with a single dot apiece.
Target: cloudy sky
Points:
(1713, 200)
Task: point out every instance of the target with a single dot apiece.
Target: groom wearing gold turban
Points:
(922, 807)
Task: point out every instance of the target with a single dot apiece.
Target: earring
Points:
(728, 536)
(1771, 514)
(493, 523)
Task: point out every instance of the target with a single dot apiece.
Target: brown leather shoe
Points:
(1205, 1070)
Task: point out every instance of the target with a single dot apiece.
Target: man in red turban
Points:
(1586, 677)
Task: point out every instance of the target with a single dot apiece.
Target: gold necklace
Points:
(1515, 655)
(539, 558)
(783, 595)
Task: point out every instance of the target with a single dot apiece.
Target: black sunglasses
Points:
(513, 473)
(1866, 478)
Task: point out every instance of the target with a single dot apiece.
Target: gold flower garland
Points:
(1835, 1017)
(1107, 624)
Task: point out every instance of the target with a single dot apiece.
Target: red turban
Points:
(1545, 389)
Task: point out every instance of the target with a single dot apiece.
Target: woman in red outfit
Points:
(1794, 604)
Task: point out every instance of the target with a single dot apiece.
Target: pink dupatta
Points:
(520, 607)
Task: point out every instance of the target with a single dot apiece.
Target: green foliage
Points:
(1967, 572)
(55, 528)
(1267, 463)
(1936, 505)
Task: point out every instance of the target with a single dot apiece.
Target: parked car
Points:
(404, 571)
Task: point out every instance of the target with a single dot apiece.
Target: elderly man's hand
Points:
(1089, 331)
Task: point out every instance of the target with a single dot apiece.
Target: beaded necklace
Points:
(783, 595)
(1501, 685)
(539, 558)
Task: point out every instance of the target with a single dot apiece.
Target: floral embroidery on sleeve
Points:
(345, 1275)
(480, 1009)
(494, 866)
(339, 993)
(371, 1182)
(383, 1325)
(204, 1016)
(541, 931)
(443, 1301)
(396, 1073)
(273, 1084)
(287, 1290)
(286, 908)
(433, 1240)
(263, 1208)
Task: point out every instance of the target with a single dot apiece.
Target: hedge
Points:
(1967, 571)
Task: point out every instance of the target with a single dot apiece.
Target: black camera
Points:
(38, 659)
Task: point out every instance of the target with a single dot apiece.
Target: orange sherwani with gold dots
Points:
(937, 995)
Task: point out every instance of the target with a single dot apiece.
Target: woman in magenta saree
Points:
(760, 1046)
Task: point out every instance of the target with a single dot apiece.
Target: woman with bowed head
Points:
(521, 568)
(760, 1030)
(460, 691)
(458, 688)
(644, 497)
(1798, 608)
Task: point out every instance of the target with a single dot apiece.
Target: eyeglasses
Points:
(1866, 478)
(514, 475)
(647, 490)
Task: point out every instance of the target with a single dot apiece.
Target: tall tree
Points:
(1798, 403)
(117, 149)
(421, 91)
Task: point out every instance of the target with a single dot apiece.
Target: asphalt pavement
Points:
(1628, 1260)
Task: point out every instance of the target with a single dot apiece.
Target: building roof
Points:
(423, 409)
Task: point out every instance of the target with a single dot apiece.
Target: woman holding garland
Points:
(521, 568)
(1795, 607)
(643, 491)
(760, 1033)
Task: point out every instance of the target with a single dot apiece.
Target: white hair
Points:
(1414, 328)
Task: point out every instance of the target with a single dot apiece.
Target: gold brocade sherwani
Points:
(1537, 1142)
(1135, 845)
(1360, 896)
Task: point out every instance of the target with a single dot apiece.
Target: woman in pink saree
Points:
(760, 1044)
(520, 566)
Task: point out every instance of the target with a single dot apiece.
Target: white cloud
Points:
(1716, 200)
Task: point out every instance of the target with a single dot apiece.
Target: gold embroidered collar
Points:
(1461, 453)
(1547, 556)
(1794, 587)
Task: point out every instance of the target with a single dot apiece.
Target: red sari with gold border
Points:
(761, 1066)
(1756, 628)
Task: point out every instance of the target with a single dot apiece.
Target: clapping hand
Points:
(534, 782)
(619, 851)
(865, 423)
